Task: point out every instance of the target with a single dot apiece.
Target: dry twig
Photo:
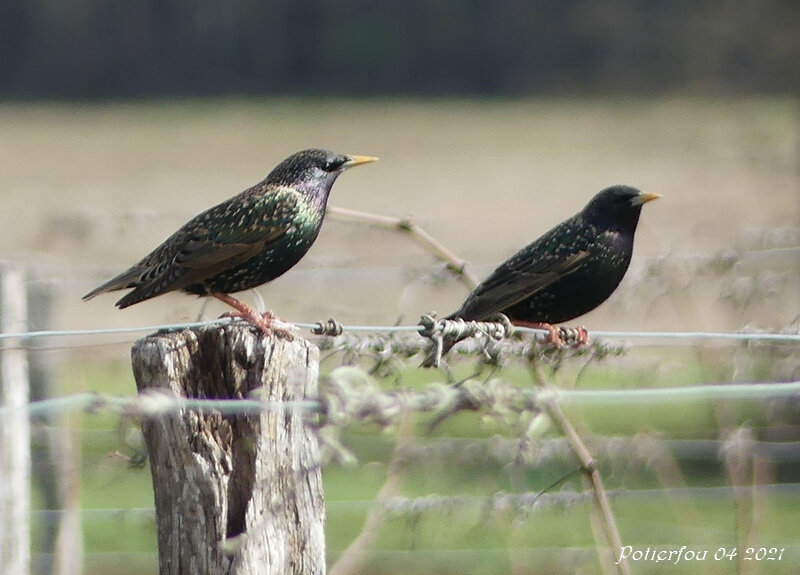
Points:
(589, 465)
(455, 264)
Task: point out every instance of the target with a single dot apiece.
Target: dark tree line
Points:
(109, 48)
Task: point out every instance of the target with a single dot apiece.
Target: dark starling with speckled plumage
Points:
(569, 270)
(244, 242)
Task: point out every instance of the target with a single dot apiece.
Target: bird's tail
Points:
(122, 281)
(141, 293)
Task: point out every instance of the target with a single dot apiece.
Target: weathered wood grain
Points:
(234, 494)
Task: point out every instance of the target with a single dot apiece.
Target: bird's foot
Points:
(554, 334)
(265, 322)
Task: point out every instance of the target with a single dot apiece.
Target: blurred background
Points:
(494, 121)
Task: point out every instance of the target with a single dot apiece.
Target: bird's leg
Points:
(554, 336)
(266, 322)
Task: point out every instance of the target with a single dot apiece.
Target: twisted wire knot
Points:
(571, 335)
(445, 333)
(331, 328)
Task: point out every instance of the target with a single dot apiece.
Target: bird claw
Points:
(281, 329)
(559, 336)
(583, 336)
(265, 322)
(554, 334)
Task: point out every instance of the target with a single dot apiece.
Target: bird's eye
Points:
(333, 164)
(624, 198)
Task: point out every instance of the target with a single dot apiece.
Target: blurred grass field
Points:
(119, 529)
(89, 189)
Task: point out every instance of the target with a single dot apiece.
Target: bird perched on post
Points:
(245, 241)
(565, 273)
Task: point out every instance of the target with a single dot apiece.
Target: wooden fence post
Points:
(15, 434)
(235, 493)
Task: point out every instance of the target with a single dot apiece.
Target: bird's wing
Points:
(516, 280)
(204, 254)
(203, 247)
(187, 258)
(208, 249)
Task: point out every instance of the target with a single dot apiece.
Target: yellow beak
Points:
(358, 160)
(644, 197)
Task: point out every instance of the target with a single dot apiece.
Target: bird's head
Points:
(617, 208)
(314, 171)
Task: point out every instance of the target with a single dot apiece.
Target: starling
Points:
(568, 271)
(245, 241)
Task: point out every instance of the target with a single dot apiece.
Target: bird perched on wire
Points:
(245, 241)
(565, 273)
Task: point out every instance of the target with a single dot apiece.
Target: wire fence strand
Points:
(526, 502)
(684, 335)
(388, 403)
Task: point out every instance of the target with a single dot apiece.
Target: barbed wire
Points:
(501, 501)
(641, 448)
(791, 334)
(498, 450)
(350, 395)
